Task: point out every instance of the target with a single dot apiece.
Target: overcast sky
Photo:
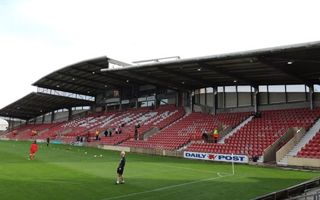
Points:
(39, 36)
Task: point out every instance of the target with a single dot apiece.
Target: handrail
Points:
(291, 191)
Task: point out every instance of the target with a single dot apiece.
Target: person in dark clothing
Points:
(48, 141)
(120, 168)
(136, 133)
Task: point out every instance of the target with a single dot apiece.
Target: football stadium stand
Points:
(312, 149)
(260, 133)
(254, 99)
(190, 126)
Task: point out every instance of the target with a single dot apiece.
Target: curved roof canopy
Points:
(295, 64)
(36, 104)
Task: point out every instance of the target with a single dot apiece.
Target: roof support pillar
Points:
(205, 98)
(214, 100)
(256, 99)
(106, 108)
(69, 114)
(311, 96)
(136, 103)
(52, 116)
(179, 98)
(43, 119)
(191, 99)
(176, 99)
(156, 100)
(120, 100)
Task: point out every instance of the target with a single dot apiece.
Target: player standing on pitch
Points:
(120, 168)
(33, 150)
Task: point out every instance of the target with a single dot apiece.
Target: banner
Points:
(56, 142)
(216, 157)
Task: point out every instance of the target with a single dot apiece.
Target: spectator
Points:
(205, 136)
(136, 135)
(97, 135)
(215, 135)
(106, 133)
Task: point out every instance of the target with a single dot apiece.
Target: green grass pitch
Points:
(64, 172)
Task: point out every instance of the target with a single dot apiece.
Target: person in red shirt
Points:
(33, 150)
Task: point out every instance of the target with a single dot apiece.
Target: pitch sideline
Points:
(168, 187)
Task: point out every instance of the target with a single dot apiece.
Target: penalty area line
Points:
(168, 187)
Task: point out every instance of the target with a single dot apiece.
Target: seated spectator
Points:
(106, 133)
(205, 136)
(136, 135)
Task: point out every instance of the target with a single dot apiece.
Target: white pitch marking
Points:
(167, 187)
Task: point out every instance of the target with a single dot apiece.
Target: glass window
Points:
(230, 89)
(220, 89)
(276, 88)
(295, 88)
(263, 88)
(209, 90)
(244, 88)
(316, 88)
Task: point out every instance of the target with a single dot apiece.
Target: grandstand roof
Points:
(84, 77)
(295, 64)
(36, 104)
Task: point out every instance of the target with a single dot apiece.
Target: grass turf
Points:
(65, 172)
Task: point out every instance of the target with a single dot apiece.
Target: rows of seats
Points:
(260, 133)
(159, 118)
(31, 131)
(312, 148)
(19, 130)
(180, 133)
(87, 126)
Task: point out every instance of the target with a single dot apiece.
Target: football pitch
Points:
(67, 172)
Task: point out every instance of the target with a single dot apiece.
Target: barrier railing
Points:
(291, 192)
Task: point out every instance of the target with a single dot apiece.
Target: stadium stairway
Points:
(303, 142)
(237, 128)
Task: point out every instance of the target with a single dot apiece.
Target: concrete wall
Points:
(61, 116)
(245, 98)
(303, 162)
(296, 96)
(284, 150)
(263, 98)
(269, 154)
(231, 99)
(277, 97)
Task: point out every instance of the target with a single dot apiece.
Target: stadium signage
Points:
(216, 157)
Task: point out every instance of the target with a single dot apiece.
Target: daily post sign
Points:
(216, 157)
